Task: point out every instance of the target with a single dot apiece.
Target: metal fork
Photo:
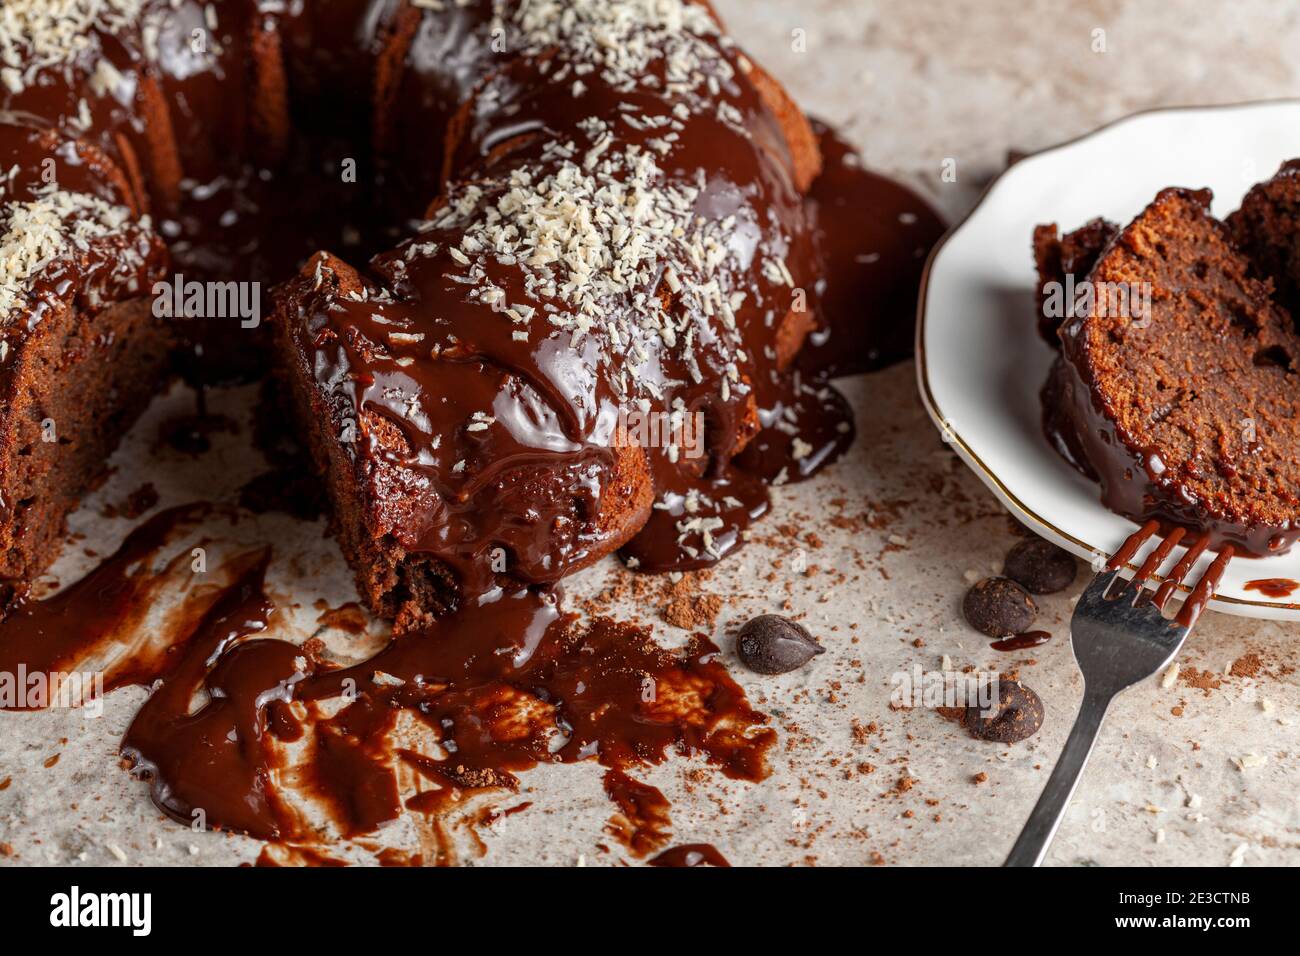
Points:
(1118, 640)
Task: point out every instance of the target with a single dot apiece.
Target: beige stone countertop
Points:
(915, 84)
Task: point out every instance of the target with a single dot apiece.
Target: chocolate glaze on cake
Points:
(692, 301)
(621, 234)
(603, 250)
(80, 356)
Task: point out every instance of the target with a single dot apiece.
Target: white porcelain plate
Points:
(980, 362)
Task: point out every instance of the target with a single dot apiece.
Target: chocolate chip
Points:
(1040, 566)
(1019, 714)
(999, 607)
(770, 644)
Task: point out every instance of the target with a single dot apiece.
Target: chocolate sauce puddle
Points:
(696, 523)
(57, 634)
(516, 682)
(807, 425)
(690, 854)
(1019, 642)
(497, 689)
(289, 855)
(643, 822)
(209, 765)
(1272, 587)
(874, 236)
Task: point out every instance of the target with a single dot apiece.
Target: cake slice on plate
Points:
(1178, 385)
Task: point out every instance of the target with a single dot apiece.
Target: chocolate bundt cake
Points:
(622, 230)
(614, 233)
(120, 121)
(1188, 409)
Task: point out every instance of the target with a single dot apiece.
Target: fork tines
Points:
(1200, 594)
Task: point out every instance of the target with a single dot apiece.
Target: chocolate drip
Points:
(1019, 642)
(690, 854)
(1201, 594)
(211, 765)
(79, 623)
(1132, 545)
(873, 236)
(1273, 587)
(1204, 590)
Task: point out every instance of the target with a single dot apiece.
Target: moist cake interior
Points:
(1190, 411)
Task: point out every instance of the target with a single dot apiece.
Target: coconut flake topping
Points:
(40, 34)
(34, 234)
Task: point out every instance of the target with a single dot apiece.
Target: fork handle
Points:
(1041, 827)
